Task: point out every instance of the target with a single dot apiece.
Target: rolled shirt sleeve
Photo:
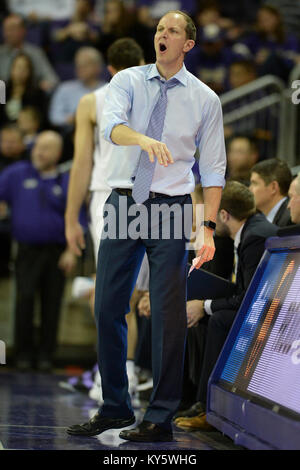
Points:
(211, 145)
(117, 104)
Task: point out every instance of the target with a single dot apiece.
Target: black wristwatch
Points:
(210, 224)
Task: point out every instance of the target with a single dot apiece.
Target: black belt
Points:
(128, 192)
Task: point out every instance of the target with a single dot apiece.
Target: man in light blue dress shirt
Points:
(193, 120)
(66, 97)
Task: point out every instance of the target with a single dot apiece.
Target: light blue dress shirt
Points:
(65, 100)
(193, 119)
(271, 215)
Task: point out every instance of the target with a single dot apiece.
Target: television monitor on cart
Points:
(254, 389)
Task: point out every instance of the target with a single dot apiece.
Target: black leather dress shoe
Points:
(191, 412)
(98, 424)
(147, 432)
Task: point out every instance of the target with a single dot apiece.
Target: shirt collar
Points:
(181, 75)
(237, 238)
(270, 216)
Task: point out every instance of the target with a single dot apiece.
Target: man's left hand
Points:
(195, 312)
(67, 261)
(207, 251)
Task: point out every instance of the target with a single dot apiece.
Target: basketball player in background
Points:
(88, 173)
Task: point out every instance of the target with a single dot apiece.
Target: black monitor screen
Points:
(264, 362)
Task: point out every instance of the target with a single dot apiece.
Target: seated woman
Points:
(274, 50)
(21, 91)
(68, 36)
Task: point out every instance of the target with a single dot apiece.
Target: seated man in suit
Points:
(237, 218)
(270, 181)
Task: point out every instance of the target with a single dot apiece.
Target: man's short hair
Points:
(274, 169)
(124, 53)
(91, 52)
(237, 200)
(249, 137)
(22, 21)
(190, 27)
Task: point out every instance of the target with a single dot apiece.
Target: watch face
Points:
(210, 224)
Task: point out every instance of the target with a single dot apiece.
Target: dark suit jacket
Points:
(250, 250)
(222, 262)
(283, 217)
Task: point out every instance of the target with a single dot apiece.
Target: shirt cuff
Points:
(207, 306)
(213, 179)
(106, 132)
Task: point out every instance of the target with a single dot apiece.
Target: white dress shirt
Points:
(237, 240)
(270, 216)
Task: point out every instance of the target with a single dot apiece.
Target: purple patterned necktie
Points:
(145, 169)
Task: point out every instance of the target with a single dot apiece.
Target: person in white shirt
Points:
(269, 182)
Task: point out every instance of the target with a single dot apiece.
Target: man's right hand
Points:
(75, 237)
(157, 149)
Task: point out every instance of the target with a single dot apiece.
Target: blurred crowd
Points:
(52, 53)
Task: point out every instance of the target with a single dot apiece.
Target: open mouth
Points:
(162, 47)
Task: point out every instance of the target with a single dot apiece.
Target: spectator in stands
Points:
(42, 10)
(241, 72)
(14, 32)
(120, 20)
(270, 182)
(242, 154)
(21, 90)
(237, 218)
(36, 193)
(210, 60)
(69, 36)
(212, 12)
(263, 124)
(117, 23)
(150, 11)
(66, 97)
(294, 200)
(274, 50)
(30, 123)
(290, 12)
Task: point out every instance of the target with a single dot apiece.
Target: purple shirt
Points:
(37, 204)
